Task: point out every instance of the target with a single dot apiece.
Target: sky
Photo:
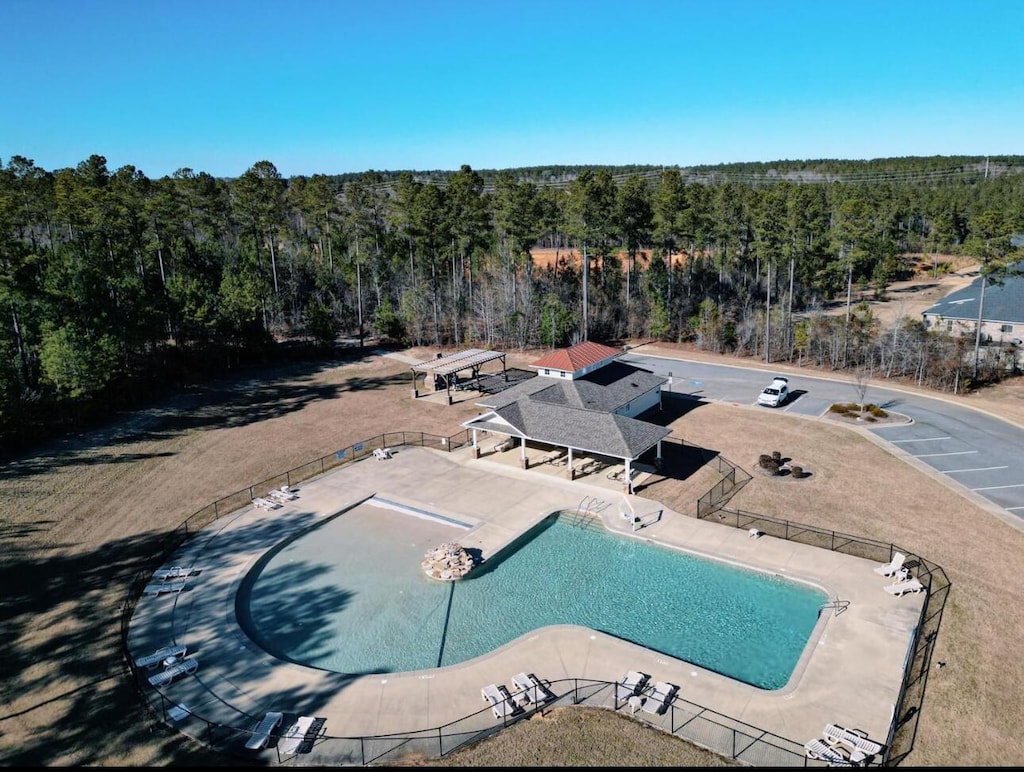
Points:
(329, 87)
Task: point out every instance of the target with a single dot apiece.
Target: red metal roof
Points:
(576, 357)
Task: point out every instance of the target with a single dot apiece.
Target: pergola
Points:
(446, 369)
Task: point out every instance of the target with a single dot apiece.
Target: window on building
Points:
(547, 371)
(1006, 328)
(949, 325)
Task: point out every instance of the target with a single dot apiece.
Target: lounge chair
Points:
(632, 683)
(174, 572)
(158, 656)
(530, 685)
(500, 699)
(819, 750)
(159, 588)
(301, 735)
(382, 454)
(657, 701)
(894, 565)
(263, 503)
(854, 741)
(902, 588)
(264, 729)
(165, 676)
(282, 496)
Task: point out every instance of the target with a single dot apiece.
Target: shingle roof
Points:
(1003, 302)
(587, 430)
(577, 357)
(606, 389)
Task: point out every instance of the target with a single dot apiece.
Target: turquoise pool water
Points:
(350, 597)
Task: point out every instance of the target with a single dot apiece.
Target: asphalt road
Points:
(975, 450)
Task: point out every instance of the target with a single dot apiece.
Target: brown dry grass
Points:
(80, 517)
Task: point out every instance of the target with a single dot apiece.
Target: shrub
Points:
(840, 408)
(776, 456)
(796, 471)
(764, 461)
(877, 412)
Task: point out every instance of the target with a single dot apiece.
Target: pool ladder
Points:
(587, 510)
(839, 606)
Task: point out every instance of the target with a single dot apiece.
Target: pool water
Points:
(350, 597)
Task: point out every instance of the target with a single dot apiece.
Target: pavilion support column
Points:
(627, 480)
(523, 459)
(569, 471)
(415, 391)
(476, 446)
(659, 462)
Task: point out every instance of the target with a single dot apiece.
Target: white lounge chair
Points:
(264, 729)
(281, 497)
(819, 750)
(158, 656)
(854, 741)
(305, 730)
(499, 698)
(894, 565)
(263, 503)
(382, 454)
(530, 685)
(902, 588)
(632, 683)
(159, 588)
(174, 572)
(660, 698)
(165, 676)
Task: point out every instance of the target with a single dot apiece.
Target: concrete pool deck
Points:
(850, 673)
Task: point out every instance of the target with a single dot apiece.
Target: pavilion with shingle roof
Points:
(582, 400)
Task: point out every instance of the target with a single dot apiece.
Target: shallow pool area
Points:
(349, 597)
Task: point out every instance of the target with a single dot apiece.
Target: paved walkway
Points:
(850, 673)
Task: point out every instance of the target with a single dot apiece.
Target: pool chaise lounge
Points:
(282, 496)
(853, 741)
(632, 684)
(532, 688)
(174, 572)
(894, 565)
(264, 729)
(301, 735)
(819, 750)
(902, 588)
(500, 699)
(159, 588)
(660, 698)
(165, 676)
(158, 656)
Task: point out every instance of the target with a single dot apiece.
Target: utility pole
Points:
(768, 318)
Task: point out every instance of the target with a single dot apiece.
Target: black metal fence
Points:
(684, 719)
(907, 710)
(690, 721)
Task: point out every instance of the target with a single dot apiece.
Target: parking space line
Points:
(977, 469)
(921, 439)
(998, 487)
(953, 453)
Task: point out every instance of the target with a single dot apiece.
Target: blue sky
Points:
(350, 85)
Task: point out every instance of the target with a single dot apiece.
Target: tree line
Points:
(112, 283)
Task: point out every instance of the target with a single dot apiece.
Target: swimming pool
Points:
(350, 597)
